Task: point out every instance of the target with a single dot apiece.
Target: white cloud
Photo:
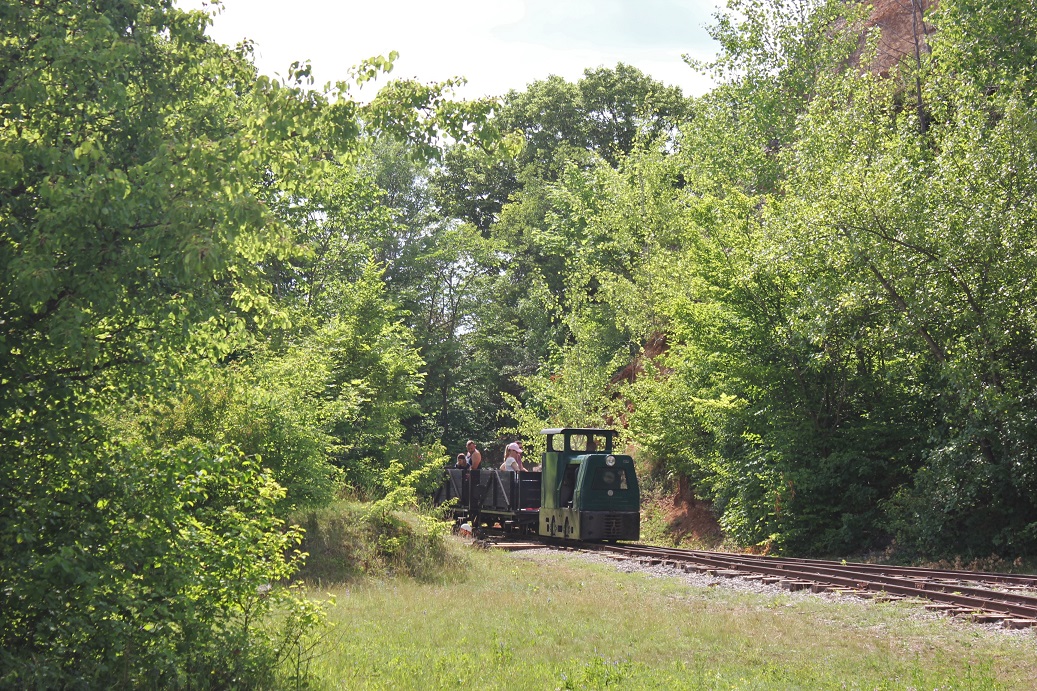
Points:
(497, 44)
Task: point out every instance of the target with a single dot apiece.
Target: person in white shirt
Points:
(512, 458)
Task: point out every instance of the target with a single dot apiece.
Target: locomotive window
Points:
(610, 478)
(586, 442)
(556, 442)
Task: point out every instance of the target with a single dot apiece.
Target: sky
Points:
(497, 45)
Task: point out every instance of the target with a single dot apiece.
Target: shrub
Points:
(150, 569)
(348, 541)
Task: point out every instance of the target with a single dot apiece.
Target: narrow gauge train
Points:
(584, 491)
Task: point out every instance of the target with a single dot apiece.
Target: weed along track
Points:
(981, 597)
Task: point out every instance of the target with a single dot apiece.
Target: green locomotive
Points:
(588, 492)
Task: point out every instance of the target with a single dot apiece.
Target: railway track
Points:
(983, 597)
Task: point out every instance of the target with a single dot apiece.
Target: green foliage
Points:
(474, 184)
(931, 227)
(509, 315)
(830, 284)
(147, 181)
(268, 412)
(371, 365)
(991, 46)
(146, 569)
(606, 111)
(773, 54)
(326, 408)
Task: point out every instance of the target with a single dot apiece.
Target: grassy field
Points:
(522, 621)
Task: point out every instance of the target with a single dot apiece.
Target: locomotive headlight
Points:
(610, 460)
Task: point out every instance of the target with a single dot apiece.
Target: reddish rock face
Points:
(904, 33)
(655, 346)
(691, 517)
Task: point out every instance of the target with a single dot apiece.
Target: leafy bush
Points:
(962, 505)
(321, 409)
(150, 569)
(268, 416)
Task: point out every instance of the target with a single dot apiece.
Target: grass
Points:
(350, 541)
(520, 621)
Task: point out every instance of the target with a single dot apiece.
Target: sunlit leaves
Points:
(146, 178)
(842, 279)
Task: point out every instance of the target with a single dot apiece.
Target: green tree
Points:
(929, 221)
(508, 194)
(868, 382)
(141, 168)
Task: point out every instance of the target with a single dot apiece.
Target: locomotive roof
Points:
(578, 430)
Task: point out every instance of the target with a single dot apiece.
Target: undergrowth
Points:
(347, 541)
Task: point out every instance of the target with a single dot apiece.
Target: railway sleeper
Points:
(886, 597)
(985, 617)
(951, 610)
(834, 589)
(1020, 623)
(515, 546)
(794, 585)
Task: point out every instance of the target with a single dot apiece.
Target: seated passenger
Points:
(512, 458)
(462, 462)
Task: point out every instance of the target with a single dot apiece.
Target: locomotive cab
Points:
(588, 491)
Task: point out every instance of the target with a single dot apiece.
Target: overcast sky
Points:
(496, 44)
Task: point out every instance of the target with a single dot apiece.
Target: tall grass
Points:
(348, 541)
